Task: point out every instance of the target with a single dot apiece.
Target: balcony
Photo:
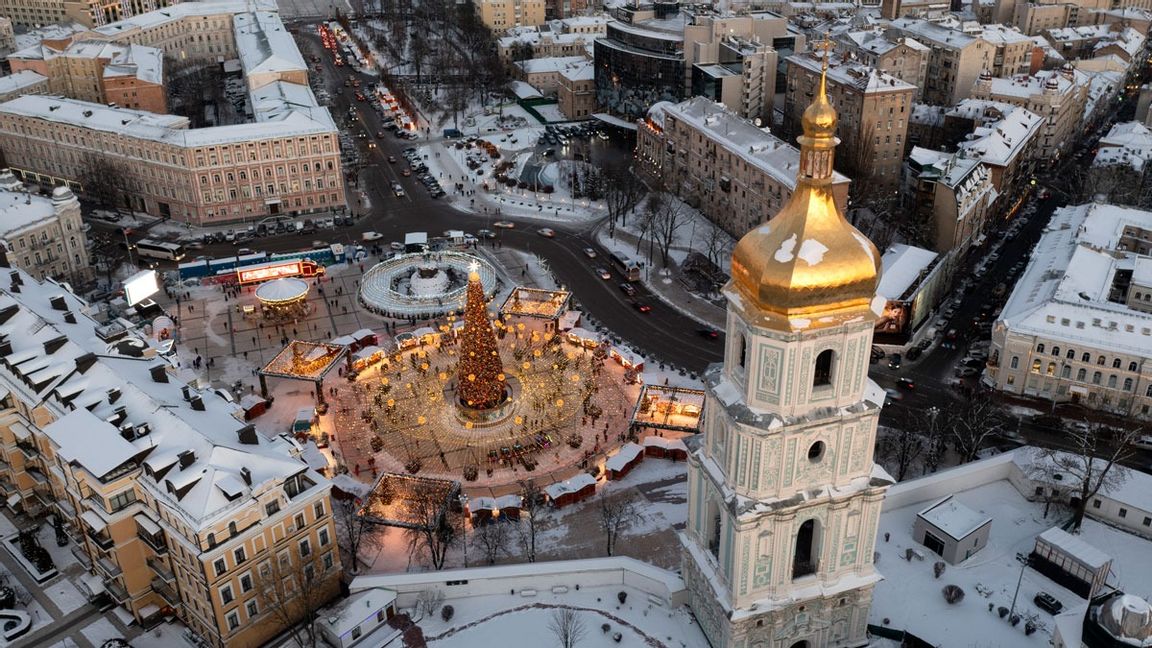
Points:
(161, 569)
(151, 534)
(165, 592)
(65, 508)
(102, 540)
(116, 590)
(108, 568)
(29, 449)
(82, 556)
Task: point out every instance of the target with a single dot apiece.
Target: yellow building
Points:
(500, 15)
(176, 507)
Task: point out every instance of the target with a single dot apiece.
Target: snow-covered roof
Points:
(118, 401)
(926, 115)
(953, 518)
(264, 44)
(1104, 35)
(933, 33)
(582, 71)
(1002, 130)
(998, 34)
(353, 611)
(1134, 491)
(1023, 86)
(850, 73)
(1128, 143)
(1052, 303)
(1075, 547)
(20, 210)
(627, 453)
(903, 266)
(548, 64)
(573, 485)
(757, 147)
(18, 82)
(874, 41)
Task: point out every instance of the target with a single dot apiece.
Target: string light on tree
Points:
(479, 372)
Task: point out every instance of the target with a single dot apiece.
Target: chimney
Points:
(128, 432)
(247, 435)
(85, 362)
(70, 317)
(118, 416)
(196, 402)
(246, 475)
(187, 392)
(16, 280)
(187, 458)
(159, 374)
(113, 395)
(7, 312)
(53, 345)
(58, 303)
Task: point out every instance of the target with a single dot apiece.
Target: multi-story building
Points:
(951, 196)
(1078, 324)
(665, 53)
(738, 175)
(21, 83)
(1033, 18)
(1092, 41)
(42, 236)
(7, 36)
(904, 58)
(1135, 17)
(287, 161)
(1059, 97)
(893, 9)
(577, 90)
(873, 107)
(90, 13)
(955, 59)
(499, 15)
(175, 504)
(1006, 139)
(566, 37)
(554, 9)
(129, 75)
(544, 74)
(1015, 53)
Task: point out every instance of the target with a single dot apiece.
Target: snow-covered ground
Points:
(989, 576)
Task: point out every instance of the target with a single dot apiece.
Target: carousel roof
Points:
(282, 290)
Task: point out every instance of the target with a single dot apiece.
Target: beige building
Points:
(286, 162)
(1077, 326)
(1006, 139)
(500, 15)
(1093, 41)
(566, 37)
(873, 107)
(904, 58)
(577, 90)
(544, 74)
(738, 175)
(21, 83)
(893, 9)
(952, 197)
(1057, 96)
(42, 236)
(90, 13)
(7, 36)
(129, 75)
(175, 506)
(955, 59)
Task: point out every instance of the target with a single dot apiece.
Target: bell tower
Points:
(783, 494)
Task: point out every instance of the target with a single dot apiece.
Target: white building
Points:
(42, 236)
(1127, 144)
(1078, 325)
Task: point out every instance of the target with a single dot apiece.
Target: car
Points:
(371, 236)
(967, 372)
(546, 232)
(628, 289)
(1143, 442)
(398, 190)
(895, 361)
(710, 333)
(486, 233)
(892, 395)
(319, 245)
(974, 363)
(603, 273)
(590, 253)
(913, 353)
(391, 159)
(641, 306)
(906, 384)
(1048, 603)
(396, 246)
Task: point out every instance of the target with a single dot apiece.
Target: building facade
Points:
(131, 76)
(577, 90)
(174, 505)
(873, 107)
(501, 15)
(904, 58)
(1005, 138)
(955, 59)
(1059, 97)
(545, 74)
(90, 13)
(1082, 336)
(783, 495)
(952, 197)
(43, 236)
(738, 175)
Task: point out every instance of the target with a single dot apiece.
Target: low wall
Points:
(952, 480)
(529, 578)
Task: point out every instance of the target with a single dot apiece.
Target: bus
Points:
(627, 267)
(159, 250)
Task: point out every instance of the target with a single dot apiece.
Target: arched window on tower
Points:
(807, 543)
(822, 374)
(743, 352)
(714, 530)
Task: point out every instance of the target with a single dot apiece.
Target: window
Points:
(1065, 371)
(272, 508)
(211, 540)
(245, 583)
(355, 633)
(239, 555)
(220, 566)
(1080, 374)
(822, 374)
(1035, 366)
(1127, 384)
(305, 548)
(1096, 375)
(743, 352)
(120, 500)
(1087, 357)
(1131, 366)
(1039, 348)
(252, 608)
(318, 510)
(328, 561)
(226, 595)
(1015, 362)
(1148, 521)
(1100, 361)
(1051, 369)
(1112, 381)
(299, 521)
(323, 537)
(1123, 512)
(1071, 355)
(233, 620)
(1096, 504)
(807, 550)
(1056, 351)
(1116, 363)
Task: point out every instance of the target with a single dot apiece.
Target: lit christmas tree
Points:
(479, 374)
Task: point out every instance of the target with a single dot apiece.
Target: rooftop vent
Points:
(53, 345)
(196, 402)
(118, 416)
(87, 113)
(187, 392)
(247, 435)
(70, 317)
(85, 362)
(58, 303)
(5, 348)
(7, 312)
(246, 475)
(113, 394)
(187, 458)
(159, 373)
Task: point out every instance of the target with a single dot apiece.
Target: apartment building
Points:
(501, 15)
(1093, 41)
(1006, 139)
(577, 90)
(955, 59)
(174, 504)
(1015, 52)
(286, 162)
(21, 83)
(7, 36)
(738, 175)
(544, 74)
(90, 13)
(565, 37)
(1059, 97)
(893, 9)
(42, 236)
(873, 108)
(1078, 325)
(904, 58)
(103, 72)
(951, 196)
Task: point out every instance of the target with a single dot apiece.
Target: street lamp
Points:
(1025, 561)
(464, 525)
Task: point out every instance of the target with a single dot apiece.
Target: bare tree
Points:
(531, 512)
(667, 223)
(291, 588)
(432, 532)
(623, 191)
(717, 243)
(1090, 463)
(104, 182)
(901, 446)
(491, 540)
(354, 532)
(617, 513)
(428, 601)
(567, 626)
(971, 422)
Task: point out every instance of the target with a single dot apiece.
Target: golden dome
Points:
(808, 265)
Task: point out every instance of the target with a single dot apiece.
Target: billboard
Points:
(278, 270)
(141, 286)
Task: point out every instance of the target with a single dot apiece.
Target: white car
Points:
(546, 232)
(1143, 442)
(590, 253)
(371, 236)
(398, 190)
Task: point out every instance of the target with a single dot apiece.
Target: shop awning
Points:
(95, 521)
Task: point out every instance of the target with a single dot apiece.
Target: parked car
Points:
(396, 246)
(371, 236)
(398, 190)
(967, 372)
(486, 233)
(1048, 603)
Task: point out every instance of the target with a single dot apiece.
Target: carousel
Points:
(283, 299)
